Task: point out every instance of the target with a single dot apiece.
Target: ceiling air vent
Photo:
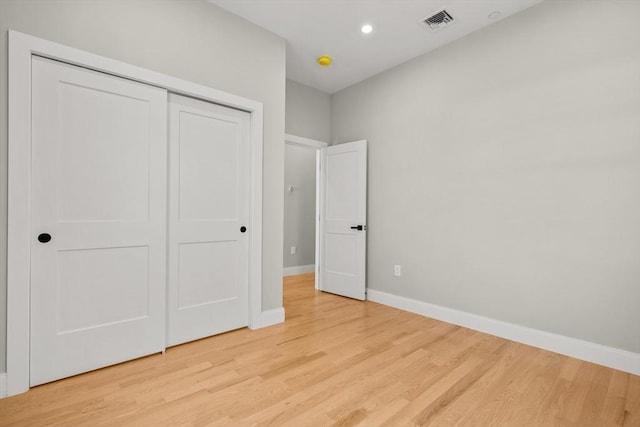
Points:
(438, 20)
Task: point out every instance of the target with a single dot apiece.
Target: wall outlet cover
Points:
(397, 270)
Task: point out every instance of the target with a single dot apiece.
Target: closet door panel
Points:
(208, 205)
(98, 222)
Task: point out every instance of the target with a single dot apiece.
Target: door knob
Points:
(44, 237)
(359, 227)
(243, 229)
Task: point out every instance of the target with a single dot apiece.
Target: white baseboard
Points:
(584, 350)
(300, 269)
(268, 318)
(3, 385)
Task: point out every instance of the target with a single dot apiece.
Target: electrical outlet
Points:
(293, 250)
(397, 270)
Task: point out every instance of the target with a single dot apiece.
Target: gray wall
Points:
(192, 40)
(299, 205)
(504, 171)
(308, 114)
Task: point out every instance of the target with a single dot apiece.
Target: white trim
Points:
(320, 171)
(316, 282)
(304, 142)
(269, 318)
(3, 385)
(299, 269)
(21, 48)
(584, 350)
(18, 208)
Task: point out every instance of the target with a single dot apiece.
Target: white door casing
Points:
(343, 215)
(99, 190)
(208, 211)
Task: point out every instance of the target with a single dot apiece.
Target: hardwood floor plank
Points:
(596, 397)
(632, 402)
(339, 362)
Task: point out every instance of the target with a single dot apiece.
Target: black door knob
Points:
(243, 229)
(44, 237)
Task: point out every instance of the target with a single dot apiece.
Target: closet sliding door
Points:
(98, 220)
(110, 189)
(208, 218)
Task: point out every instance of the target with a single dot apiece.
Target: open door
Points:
(341, 255)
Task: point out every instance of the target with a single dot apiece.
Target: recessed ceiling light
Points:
(494, 15)
(366, 28)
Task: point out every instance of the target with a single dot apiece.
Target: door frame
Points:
(21, 49)
(311, 144)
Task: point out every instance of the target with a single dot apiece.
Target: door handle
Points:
(358, 227)
(44, 237)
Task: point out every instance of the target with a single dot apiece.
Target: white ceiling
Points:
(317, 27)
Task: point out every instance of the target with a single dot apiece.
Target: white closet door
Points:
(99, 191)
(208, 219)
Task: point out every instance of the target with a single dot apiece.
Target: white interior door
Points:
(98, 178)
(208, 235)
(343, 215)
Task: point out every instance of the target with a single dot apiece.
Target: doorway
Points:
(300, 204)
(339, 213)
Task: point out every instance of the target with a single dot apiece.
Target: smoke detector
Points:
(437, 21)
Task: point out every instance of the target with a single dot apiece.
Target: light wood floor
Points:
(337, 361)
